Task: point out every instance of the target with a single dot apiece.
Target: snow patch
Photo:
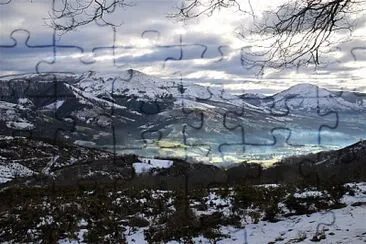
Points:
(84, 143)
(308, 194)
(56, 105)
(148, 164)
(9, 171)
(50, 163)
(20, 125)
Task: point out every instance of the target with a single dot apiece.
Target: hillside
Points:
(23, 159)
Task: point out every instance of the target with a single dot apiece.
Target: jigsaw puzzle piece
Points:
(19, 40)
(250, 137)
(185, 138)
(109, 110)
(244, 120)
(330, 220)
(315, 114)
(310, 97)
(66, 58)
(71, 51)
(241, 149)
(185, 50)
(195, 94)
(151, 135)
(358, 53)
(241, 97)
(200, 130)
(220, 50)
(141, 125)
(174, 54)
(196, 144)
(119, 53)
(51, 97)
(45, 53)
(312, 113)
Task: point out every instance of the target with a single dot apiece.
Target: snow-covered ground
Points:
(345, 225)
(156, 207)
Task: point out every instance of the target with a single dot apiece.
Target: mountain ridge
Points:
(136, 83)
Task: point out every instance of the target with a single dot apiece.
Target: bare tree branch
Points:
(67, 15)
(294, 34)
(194, 8)
(300, 30)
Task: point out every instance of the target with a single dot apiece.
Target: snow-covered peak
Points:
(129, 83)
(304, 90)
(310, 97)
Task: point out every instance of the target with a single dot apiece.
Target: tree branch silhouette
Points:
(295, 33)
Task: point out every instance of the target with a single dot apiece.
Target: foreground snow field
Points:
(345, 225)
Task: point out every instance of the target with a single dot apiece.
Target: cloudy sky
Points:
(146, 40)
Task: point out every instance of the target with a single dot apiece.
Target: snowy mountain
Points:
(137, 85)
(307, 97)
(128, 83)
(133, 111)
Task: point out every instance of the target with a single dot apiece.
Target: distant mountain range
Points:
(135, 112)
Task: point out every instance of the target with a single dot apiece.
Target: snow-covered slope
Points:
(344, 225)
(141, 86)
(15, 116)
